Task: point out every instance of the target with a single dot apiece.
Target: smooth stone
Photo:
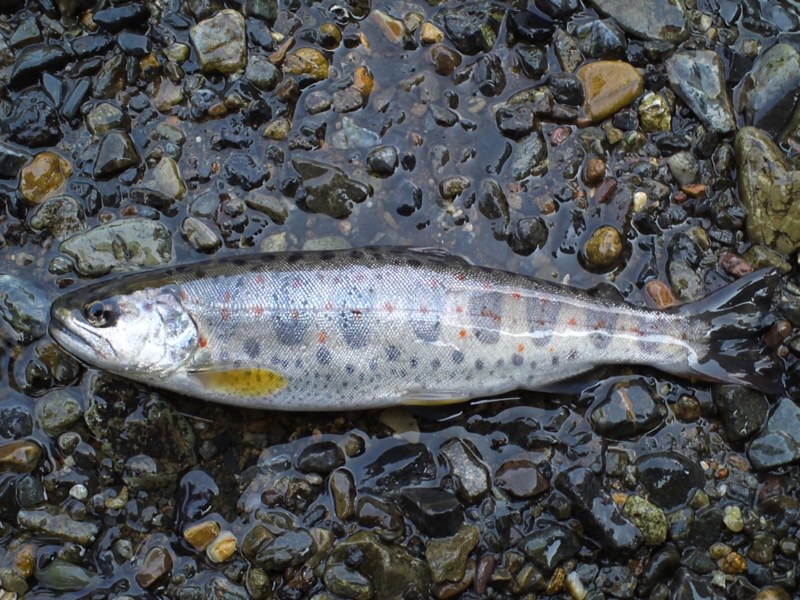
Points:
(779, 443)
(768, 188)
(670, 478)
(601, 39)
(57, 411)
(21, 456)
(654, 113)
(530, 157)
(698, 78)
(63, 216)
(447, 557)
(262, 73)
(603, 249)
(64, 576)
(549, 546)
(34, 120)
(609, 86)
(472, 27)
(59, 526)
(120, 246)
(343, 490)
(275, 207)
(200, 235)
(221, 42)
(321, 457)
(23, 309)
(200, 535)
(289, 549)
(157, 564)
(328, 190)
(656, 20)
(163, 181)
(309, 63)
(520, 478)
(116, 18)
(684, 168)
(44, 176)
(202, 9)
(117, 152)
(629, 409)
(15, 422)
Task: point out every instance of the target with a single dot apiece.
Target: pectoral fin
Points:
(244, 382)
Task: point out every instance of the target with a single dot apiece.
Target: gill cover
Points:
(135, 332)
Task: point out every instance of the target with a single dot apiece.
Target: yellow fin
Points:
(243, 381)
(430, 398)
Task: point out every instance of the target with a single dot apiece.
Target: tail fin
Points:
(735, 317)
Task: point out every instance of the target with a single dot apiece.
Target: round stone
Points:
(604, 249)
(44, 176)
(608, 87)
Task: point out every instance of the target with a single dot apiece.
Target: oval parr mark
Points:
(602, 324)
(485, 311)
(542, 317)
(252, 347)
(323, 356)
(290, 328)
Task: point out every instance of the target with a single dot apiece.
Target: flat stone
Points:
(521, 479)
(657, 20)
(698, 78)
(62, 216)
(34, 60)
(200, 235)
(609, 86)
(770, 91)
(57, 411)
(106, 116)
(768, 188)
(163, 185)
(221, 42)
(435, 512)
(779, 443)
(21, 456)
(743, 411)
(275, 207)
(120, 246)
(60, 526)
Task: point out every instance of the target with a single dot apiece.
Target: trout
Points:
(375, 327)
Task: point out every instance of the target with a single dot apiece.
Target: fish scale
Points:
(383, 326)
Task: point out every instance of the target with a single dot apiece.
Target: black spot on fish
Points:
(201, 273)
(298, 363)
(294, 257)
(517, 360)
(436, 363)
(252, 347)
(426, 330)
(602, 324)
(573, 354)
(290, 328)
(500, 362)
(356, 255)
(373, 365)
(533, 365)
(239, 261)
(392, 353)
(555, 361)
(350, 369)
(324, 357)
(377, 256)
(479, 365)
(413, 363)
(542, 317)
(327, 255)
(414, 262)
(268, 258)
(484, 312)
(458, 357)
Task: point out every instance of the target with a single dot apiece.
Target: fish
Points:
(382, 326)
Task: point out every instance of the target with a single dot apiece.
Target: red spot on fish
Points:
(225, 314)
(545, 301)
(227, 297)
(541, 322)
(601, 324)
(461, 276)
(202, 342)
(356, 313)
(491, 315)
(388, 306)
(572, 322)
(486, 285)
(551, 349)
(297, 283)
(434, 283)
(463, 334)
(258, 310)
(329, 305)
(521, 348)
(323, 337)
(516, 295)
(295, 314)
(459, 309)
(636, 330)
(260, 280)
(184, 295)
(423, 310)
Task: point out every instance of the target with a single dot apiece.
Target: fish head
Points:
(138, 332)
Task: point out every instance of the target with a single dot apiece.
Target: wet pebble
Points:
(64, 576)
(343, 490)
(20, 456)
(382, 161)
(321, 457)
(471, 27)
(435, 512)
(220, 42)
(521, 479)
(288, 549)
(669, 478)
(549, 546)
(262, 73)
(470, 474)
(684, 167)
(309, 64)
(609, 86)
(116, 153)
(603, 250)
(162, 184)
(33, 60)
(15, 422)
(22, 308)
(327, 189)
(769, 99)
(200, 535)
(698, 79)
(57, 411)
(241, 170)
(200, 235)
(59, 526)
(654, 113)
(627, 409)
(658, 20)
(43, 177)
(743, 411)
(447, 557)
(222, 547)
(779, 442)
(601, 39)
(650, 519)
(156, 565)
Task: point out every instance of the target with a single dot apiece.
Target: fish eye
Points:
(101, 314)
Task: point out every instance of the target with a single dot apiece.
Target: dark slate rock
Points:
(75, 97)
(659, 568)
(241, 170)
(529, 235)
(520, 478)
(627, 409)
(203, 9)
(775, 81)
(382, 161)
(670, 478)
(15, 422)
(117, 153)
(516, 121)
(488, 75)
(11, 160)
(550, 546)
(597, 510)
(558, 9)
(532, 59)
(91, 45)
(601, 39)
(379, 514)
(471, 27)
(401, 466)
(435, 512)
(656, 20)
(287, 550)
(34, 121)
(30, 491)
(779, 443)
(686, 586)
(117, 18)
(566, 88)
(34, 60)
(698, 79)
(707, 526)
(266, 10)
(196, 493)
(134, 43)
(531, 26)
(321, 457)
(743, 411)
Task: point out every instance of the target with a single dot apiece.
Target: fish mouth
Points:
(76, 338)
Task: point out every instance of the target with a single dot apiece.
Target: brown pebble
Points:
(660, 293)
(687, 408)
(605, 191)
(595, 171)
(735, 265)
(521, 479)
(448, 590)
(25, 560)
(202, 534)
(43, 177)
(604, 249)
(695, 190)
(20, 456)
(445, 60)
(680, 197)
(779, 331)
(156, 564)
(556, 583)
(560, 135)
(733, 564)
(363, 81)
(483, 573)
